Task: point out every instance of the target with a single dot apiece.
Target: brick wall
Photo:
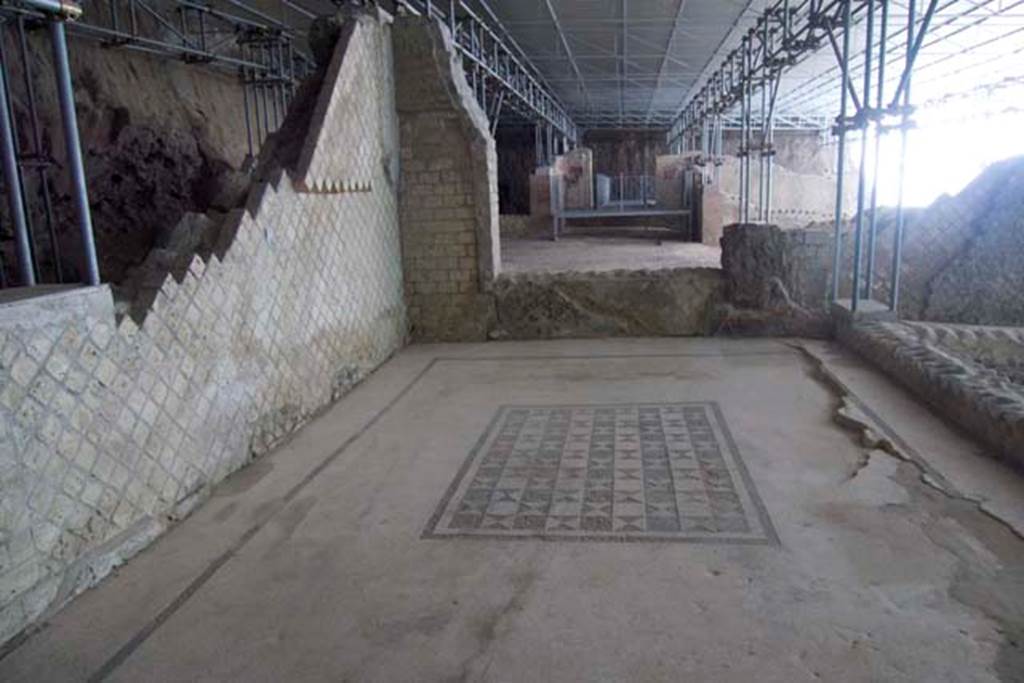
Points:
(109, 429)
(449, 191)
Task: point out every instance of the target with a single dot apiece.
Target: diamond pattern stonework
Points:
(665, 471)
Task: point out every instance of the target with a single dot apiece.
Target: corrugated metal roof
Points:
(622, 63)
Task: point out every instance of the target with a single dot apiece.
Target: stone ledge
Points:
(982, 400)
(54, 304)
(665, 302)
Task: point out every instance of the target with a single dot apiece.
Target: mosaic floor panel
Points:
(643, 472)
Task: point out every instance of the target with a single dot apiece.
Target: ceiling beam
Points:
(730, 39)
(668, 50)
(568, 50)
(624, 53)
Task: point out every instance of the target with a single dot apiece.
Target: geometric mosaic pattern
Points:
(661, 472)
(343, 121)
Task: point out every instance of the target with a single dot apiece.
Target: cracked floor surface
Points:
(897, 555)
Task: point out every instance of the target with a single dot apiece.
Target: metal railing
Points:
(632, 190)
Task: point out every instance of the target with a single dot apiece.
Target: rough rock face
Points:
(670, 302)
(776, 281)
(756, 258)
(519, 226)
(983, 284)
(158, 138)
(961, 255)
(139, 185)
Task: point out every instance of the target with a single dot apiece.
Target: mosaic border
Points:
(769, 535)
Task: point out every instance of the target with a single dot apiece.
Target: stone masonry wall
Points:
(776, 281)
(449, 189)
(970, 374)
(961, 255)
(672, 302)
(110, 430)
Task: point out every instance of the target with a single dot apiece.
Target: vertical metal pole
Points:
(743, 150)
(74, 150)
(278, 50)
(897, 250)
(18, 155)
(643, 174)
(12, 181)
(245, 106)
(770, 161)
(202, 31)
(869, 275)
(748, 132)
(762, 176)
(262, 87)
(536, 145)
(841, 155)
(133, 19)
(862, 173)
(37, 150)
(248, 54)
(719, 135)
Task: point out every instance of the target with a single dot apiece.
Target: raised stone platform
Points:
(974, 375)
(671, 302)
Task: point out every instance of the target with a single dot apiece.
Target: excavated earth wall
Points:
(113, 426)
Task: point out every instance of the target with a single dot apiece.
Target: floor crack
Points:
(853, 415)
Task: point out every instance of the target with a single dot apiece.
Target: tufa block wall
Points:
(109, 430)
(449, 189)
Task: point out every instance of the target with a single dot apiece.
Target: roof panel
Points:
(635, 59)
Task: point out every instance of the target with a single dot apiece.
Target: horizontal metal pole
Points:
(63, 9)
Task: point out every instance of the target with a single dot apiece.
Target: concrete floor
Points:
(603, 254)
(310, 565)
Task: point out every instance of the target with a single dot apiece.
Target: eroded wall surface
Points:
(109, 430)
(449, 189)
(962, 255)
(803, 181)
(775, 281)
(159, 137)
(576, 168)
(672, 302)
